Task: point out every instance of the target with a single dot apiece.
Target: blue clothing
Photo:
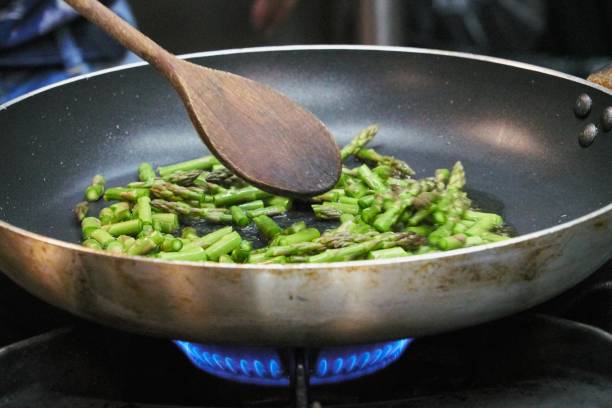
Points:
(45, 41)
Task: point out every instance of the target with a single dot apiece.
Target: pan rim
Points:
(335, 265)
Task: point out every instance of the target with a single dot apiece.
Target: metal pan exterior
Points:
(566, 219)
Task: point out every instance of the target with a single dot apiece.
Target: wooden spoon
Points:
(258, 133)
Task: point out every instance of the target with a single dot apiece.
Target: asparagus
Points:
(94, 191)
(132, 227)
(295, 227)
(225, 259)
(224, 177)
(457, 177)
(215, 215)
(384, 221)
(399, 166)
(193, 255)
(121, 212)
(175, 192)
(243, 195)
(115, 247)
(203, 163)
(183, 178)
(269, 211)
(239, 216)
(80, 210)
(394, 252)
(143, 208)
(125, 194)
(189, 233)
(304, 235)
(362, 138)
(209, 239)
(251, 205)
(103, 237)
(267, 226)
(300, 248)
(242, 253)
(223, 246)
(282, 202)
(371, 179)
(92, 243)
(88, 225)
(126, 240)
(383, 213)
(146, 172)
(165, 222)
(142, 246)
(325, 212)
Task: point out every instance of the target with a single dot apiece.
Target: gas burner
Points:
(264, 366)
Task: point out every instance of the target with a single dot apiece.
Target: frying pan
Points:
(511, 124)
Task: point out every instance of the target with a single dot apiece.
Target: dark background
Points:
(571, 36)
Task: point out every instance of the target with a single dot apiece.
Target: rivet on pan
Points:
(583, 104)
(588, 134)
(606, 119)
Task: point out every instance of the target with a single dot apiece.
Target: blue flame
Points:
(263, 366)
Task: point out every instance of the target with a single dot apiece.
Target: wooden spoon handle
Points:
(127, 35)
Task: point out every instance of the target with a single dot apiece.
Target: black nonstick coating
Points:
(513, 128)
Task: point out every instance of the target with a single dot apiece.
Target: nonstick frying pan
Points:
(511, 124)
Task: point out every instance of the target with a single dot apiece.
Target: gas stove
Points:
(556, 355)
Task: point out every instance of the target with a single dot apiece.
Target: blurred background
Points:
(570, 36)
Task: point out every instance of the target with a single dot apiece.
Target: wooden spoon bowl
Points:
(258, 133)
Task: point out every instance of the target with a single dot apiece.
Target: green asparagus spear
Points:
(146, 172)
(165, 222)
(143, 208)
(241, 254)
(175, 192)
(394, 252)
(457, 177)
(239, 216)
(269, 211)
(295, 227)
(215, 215)
(142, 246)
(125, 194)
(115, 247)
(399, 166)
(209, 239)
(282, 202)
(92, 243)
(251, 205)
(196, 254)
(223, 246)
(371, 179)
(103, 237)
(88, 225)
(203, 163)
(362, 138)
(95, 190)
(183, 178)
(267, 226)
(132, 227)
(243, 195)
(171, 244)
(80, 210)
(304, 235)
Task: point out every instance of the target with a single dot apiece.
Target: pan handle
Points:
(602, 77)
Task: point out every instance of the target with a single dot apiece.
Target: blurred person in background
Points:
(45, 41)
